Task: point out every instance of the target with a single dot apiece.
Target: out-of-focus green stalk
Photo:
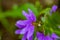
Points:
(0, 35)
(6, 24)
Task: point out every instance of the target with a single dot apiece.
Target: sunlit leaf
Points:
(18, 12)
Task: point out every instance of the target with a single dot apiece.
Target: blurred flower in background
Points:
(53, 9)
(41, 36)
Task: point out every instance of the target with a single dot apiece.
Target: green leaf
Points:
(43, 19)
(57, 32)
(38, 5)
(35, 38)
(0, 34)
(31, 6)
(6, 24)
(15, 6)
(52, 23)
(46, 11)
(1, 15)
(48, 30)
(13, 14)
(18, 12)
(56, 17)
(20, 36)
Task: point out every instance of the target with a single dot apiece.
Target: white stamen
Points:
(39, 25)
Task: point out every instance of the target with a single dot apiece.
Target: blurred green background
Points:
(11, 11)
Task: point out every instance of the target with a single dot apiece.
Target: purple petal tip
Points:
(54, 35)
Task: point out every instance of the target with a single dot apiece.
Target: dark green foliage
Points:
(52, 23)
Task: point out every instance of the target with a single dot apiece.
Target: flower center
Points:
(36, 24)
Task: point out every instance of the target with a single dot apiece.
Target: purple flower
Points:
(27, 27)
(25, 36)
(54, 36)
(54, 8)
(41, 36)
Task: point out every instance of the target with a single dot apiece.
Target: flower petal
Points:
(19, 26)
(31, 38)
(32, 16)
(17, 32)
(24, 36)
(48, 38)
(54, 35)
(24, 30)
(25, 14)
(40, 36)
(21, 23)
(29, 16)
(30, 32)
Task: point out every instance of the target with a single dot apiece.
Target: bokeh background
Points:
(11, 11)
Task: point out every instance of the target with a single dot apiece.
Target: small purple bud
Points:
(54, 8)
